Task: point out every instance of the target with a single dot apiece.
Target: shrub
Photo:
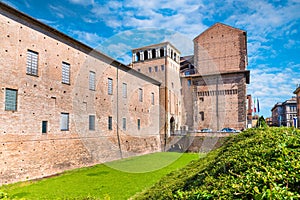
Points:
(256, 164)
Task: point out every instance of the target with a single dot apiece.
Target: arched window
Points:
(162, 52)
(145, 55)
(153, 53)
(138, 56)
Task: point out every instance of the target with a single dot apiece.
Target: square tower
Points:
(162, 62)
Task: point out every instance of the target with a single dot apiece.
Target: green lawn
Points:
(115, 180)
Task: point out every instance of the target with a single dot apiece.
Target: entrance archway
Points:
(172, 125)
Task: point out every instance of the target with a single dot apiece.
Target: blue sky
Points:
(115, 27)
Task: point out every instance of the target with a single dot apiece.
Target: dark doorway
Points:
(172, 125)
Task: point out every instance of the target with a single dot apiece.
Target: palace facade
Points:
(65, 105)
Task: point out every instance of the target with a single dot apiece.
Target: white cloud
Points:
(61, 11)
(91, 39)
(82, 2)
(273, 84)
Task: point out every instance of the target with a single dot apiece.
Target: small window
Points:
(44, 127)
(109, 123)
(124, 124)
(110, 86)
(152, 98)
(156, 69)
(202, 116)
(139, 124)
(92, 81)
(139, 70)
(65, 73)
(150, 69)
(91, 122)
(64, 121)
(32, 63)
(11, 99)
(172, 85)
(162, 67)
(140, 94)
(124, 90)
(189, 82)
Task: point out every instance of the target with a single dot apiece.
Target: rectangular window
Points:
(124, 90)
(92, 81)
(64, 121)
(124, 124)
(65, 73)
(11, 99)
(110, 86)
(150, 69)
(109, 123)
(139, 124)
(44, 127)
(152, 98)
(91, 122)
(202, 115)
(156, 69)
(140, 94)
(189, 82)
(162, 67)
(32, 63)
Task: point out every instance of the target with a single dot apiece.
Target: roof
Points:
(297, 90)
(246, 72)
(57, 35)
(218, 24)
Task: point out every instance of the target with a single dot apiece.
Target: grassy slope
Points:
(109, 181)
(256, 164)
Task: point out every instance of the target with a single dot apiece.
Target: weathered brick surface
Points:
(25, 153)
(220, 48)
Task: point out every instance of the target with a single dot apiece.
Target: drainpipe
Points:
(166, 100)
(118, 136)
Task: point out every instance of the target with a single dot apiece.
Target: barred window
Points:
(91, 122)
(124, 124)
(64, 121)
(44, 127)
(65, 73)
(139, 124)
(109, 123)
(92, 81)
(11, 99)
(152, 98)
(110, 86)
(140, 94)
(32, 63)
(124, 90)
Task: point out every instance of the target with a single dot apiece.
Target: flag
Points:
(254, 107)
(257, 105)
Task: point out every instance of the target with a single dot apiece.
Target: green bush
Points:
(3, 195)
(255, 164)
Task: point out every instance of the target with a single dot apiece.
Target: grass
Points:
(115, 180)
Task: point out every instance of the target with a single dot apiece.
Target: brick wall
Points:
(27, 153)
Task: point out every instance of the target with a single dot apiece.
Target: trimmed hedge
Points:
(255, 164)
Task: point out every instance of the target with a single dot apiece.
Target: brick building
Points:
(66, 105)
(215, 96)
